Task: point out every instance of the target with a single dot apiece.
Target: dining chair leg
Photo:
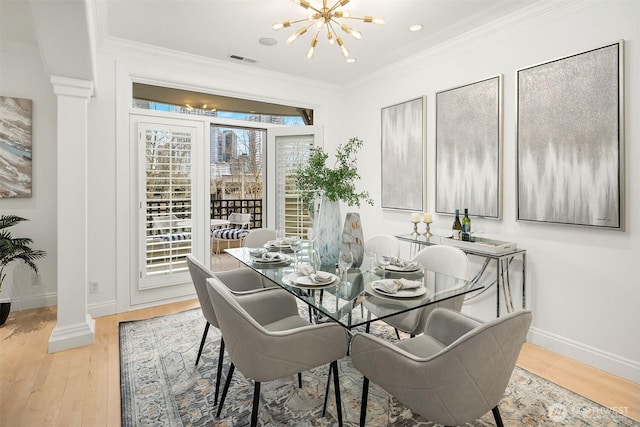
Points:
(363, 403)
(226, 388)
(204, 338)
(336, 386)
(256, 400)
(497, 417)
(219, 372)
(299, 379)
(326, 392)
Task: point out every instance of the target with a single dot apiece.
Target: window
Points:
(291, 214)
(167, 200)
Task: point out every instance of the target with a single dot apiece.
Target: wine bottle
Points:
(466, 226)
(456, 229)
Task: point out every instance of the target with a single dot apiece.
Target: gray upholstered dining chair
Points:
(267, 339)
(238, 280)
(454, 373)
(443, 259)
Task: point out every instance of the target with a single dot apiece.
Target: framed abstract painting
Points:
(469, 148)
(570, 139)
(15, 147)
(403, 155)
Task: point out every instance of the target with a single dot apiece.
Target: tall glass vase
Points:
(329, 228)
(353, 238)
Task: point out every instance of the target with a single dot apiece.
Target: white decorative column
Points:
(75, 327)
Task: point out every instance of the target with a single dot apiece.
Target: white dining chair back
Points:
(383, 244)
(258, 237)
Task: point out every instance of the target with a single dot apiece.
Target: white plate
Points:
(281, 259)
(297, 279)
(402, 293)
(397, 269)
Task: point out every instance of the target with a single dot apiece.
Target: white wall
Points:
(583, 282)
(22, 76)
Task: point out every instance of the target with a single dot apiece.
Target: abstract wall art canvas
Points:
(570, 139)
(15, 147)
(403, 155)
(469, 148)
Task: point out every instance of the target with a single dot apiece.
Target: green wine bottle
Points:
(466, 226)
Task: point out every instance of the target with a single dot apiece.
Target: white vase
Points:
(329, 228)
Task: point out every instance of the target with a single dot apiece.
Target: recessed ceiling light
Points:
(415, 27)
(351, 60)
(267, 41)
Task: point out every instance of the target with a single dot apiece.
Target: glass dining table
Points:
(356, 298)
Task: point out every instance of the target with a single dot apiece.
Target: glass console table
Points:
(503, 261)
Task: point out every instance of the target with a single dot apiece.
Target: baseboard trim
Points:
(105, 308)
(72, 336)
(33, 301)
(609, 362)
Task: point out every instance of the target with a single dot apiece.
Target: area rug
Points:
(161, 386)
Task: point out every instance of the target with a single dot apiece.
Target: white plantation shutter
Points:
(166, 202)
(291, 151)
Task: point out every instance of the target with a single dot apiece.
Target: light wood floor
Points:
(81, 387)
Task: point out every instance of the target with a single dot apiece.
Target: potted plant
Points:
(333, 184)
(12, 249)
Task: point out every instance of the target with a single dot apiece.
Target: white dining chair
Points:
(443, 259)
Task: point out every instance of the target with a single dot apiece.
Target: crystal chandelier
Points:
(326, 19)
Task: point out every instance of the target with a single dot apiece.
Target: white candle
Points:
(415, 217)
(427, 217)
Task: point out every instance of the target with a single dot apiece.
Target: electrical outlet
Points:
(36, 279)
(94, 288)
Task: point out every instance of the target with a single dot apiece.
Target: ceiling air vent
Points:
(243, 59)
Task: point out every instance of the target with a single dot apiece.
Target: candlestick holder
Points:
(415, 229)
(427, 234)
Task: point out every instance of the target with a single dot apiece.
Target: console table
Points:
(503, 260)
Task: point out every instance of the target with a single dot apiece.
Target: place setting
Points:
(397, 288)
(265, 258)
(394, 267)
(305, 276)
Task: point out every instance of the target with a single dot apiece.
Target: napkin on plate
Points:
(392, 286)
(257, 252)
(270, 257)
(315, 276)
(403, 265)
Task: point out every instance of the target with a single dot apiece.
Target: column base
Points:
(72, 336)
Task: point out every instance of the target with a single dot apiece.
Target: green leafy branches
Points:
(14, 248)
(337, 183)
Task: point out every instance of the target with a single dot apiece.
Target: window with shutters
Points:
(291, 151)
(167, 201)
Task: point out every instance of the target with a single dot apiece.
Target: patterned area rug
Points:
(161, 386)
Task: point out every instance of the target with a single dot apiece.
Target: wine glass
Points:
(294, 244)
(345, 261)
(383, 261)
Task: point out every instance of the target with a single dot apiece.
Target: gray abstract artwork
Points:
(569, 140)
(403, 155)
(15, 147)
(468, 154)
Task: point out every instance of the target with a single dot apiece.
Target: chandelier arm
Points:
(307, 5)
(338, 4)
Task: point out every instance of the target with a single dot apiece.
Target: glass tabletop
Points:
(360, 297)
